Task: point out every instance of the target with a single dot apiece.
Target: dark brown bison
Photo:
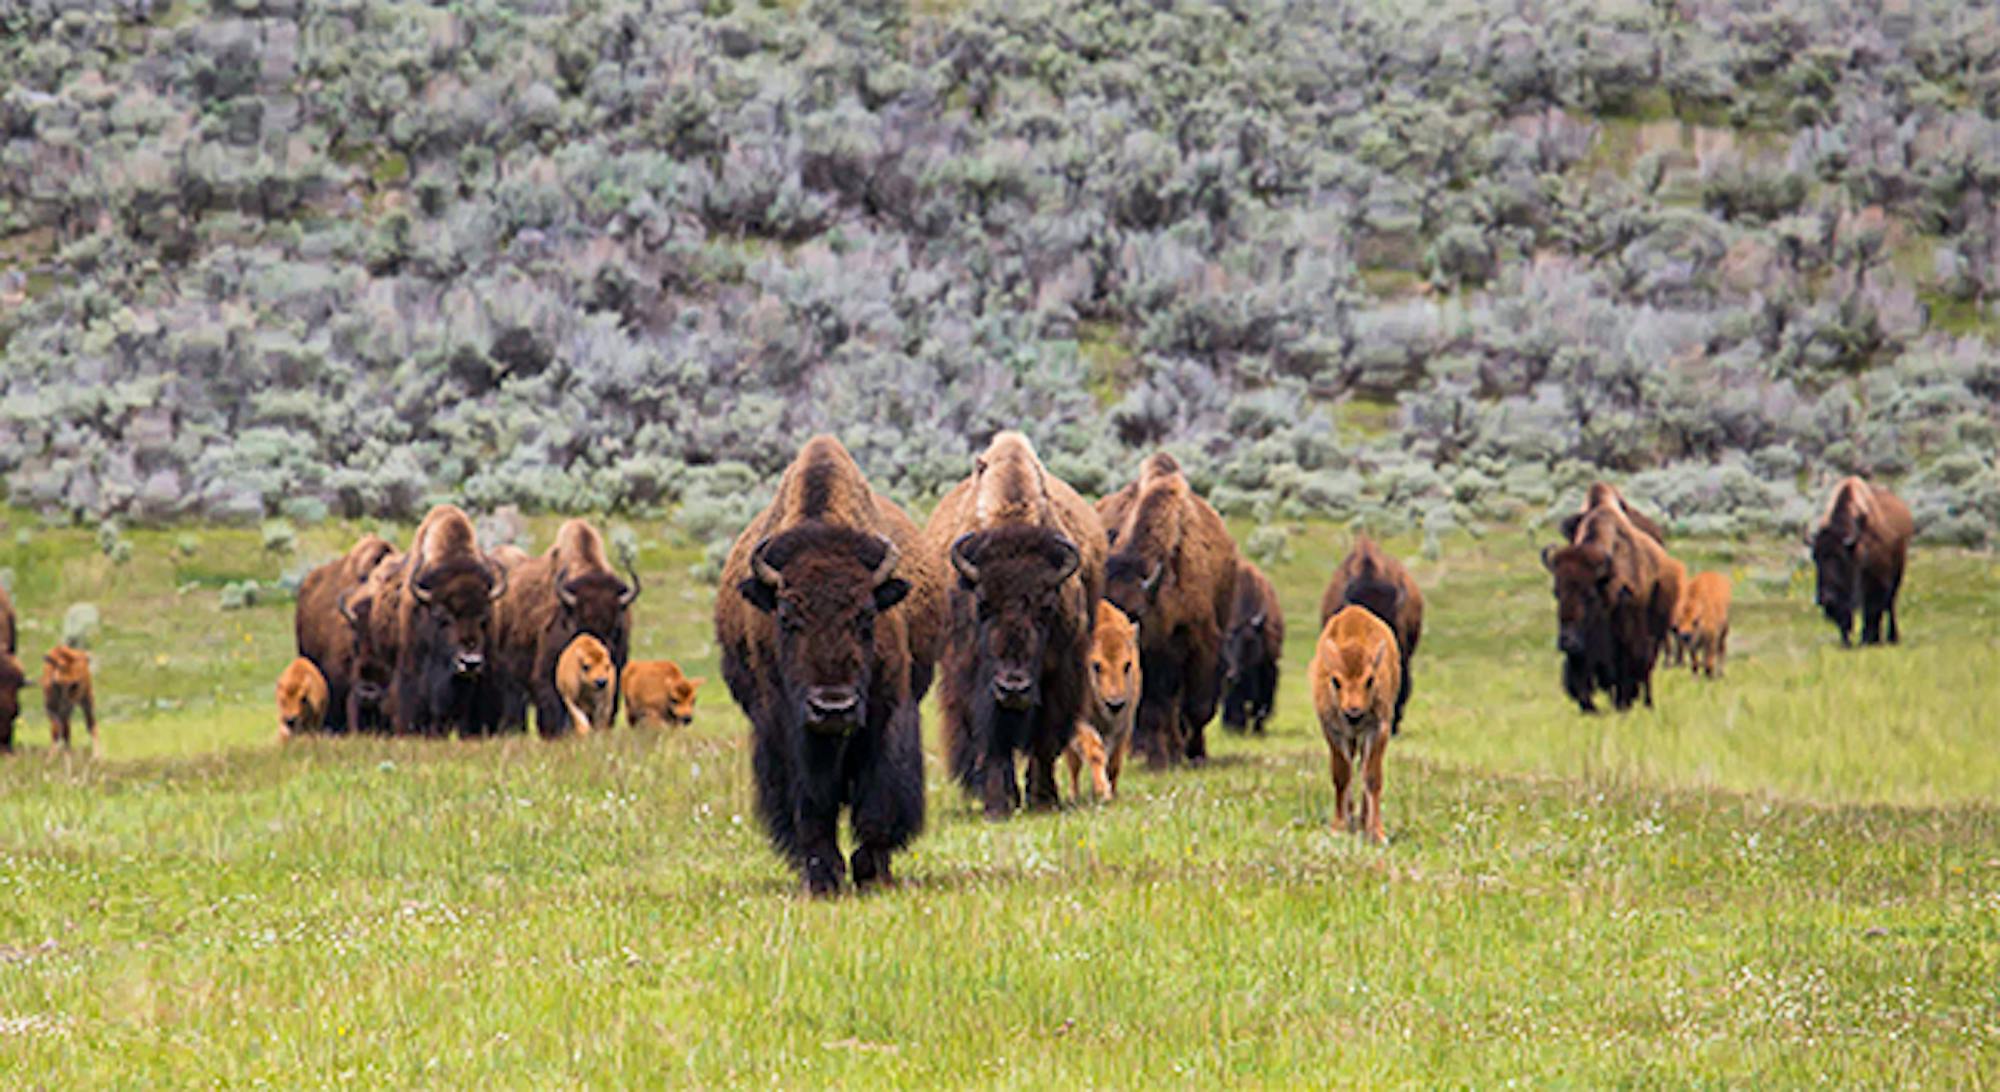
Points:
(1028, 554)
(552, 598)
(1615, 599)
(1173, 571)
(829, 620)
(1371, 579)
(442, 597)
(325, 637)
(1859, 548)
(12, 678)
(371, 621)
(1601, 494)
(1252, 651)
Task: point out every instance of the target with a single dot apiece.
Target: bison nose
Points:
(470, 663)
(1568, 642)
(1354, 716)
(1011, 687)
(830, 704)
(1116, 705)
(599, 683)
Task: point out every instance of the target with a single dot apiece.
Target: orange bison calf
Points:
(584, 680)
(1104, 733)
(65, 689)
(657, 694)
(302, 699)
(1701, 623)
(1356, 672)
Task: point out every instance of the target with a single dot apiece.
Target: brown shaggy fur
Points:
(1602, 494)
(1701, 622)
(441, 681)
(324, 635)
(12, 678)
(532, 624)
(586, 679)
(657, 694)
(1001, 505)
(1369, 577)
(1355, 675)
(1859, 547)
(302, 699)
(371, 619)
(65, 689)
(1104, 735)
(1173, 570)
(1615, 582)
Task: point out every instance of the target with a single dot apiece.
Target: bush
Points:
(80, 625)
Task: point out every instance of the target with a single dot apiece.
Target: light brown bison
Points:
(1701, 623)
(586, 680)
(1615, 596)
(571, 589)
(1173, 571)
(1354, 676)
(324, 636)
(442, 600)
(1604, 493)
(1104, 735)
(657, 694)
(829, 621)
(1369, 578)
(1859, 548)
(302, 699)
(1028, 555)
(66, 688)
(1251, 651)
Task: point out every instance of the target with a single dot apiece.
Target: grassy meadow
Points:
(1790, 876)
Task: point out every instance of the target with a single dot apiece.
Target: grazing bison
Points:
(657, 694)
(1614, 599)
(324, 636)
(1251, 651)
(1604, 493)
(1104, 735)
(584, 680)
(442, 597)
(829, 623)
(12, 678)
(65, 689)
(1859, 548)
(1028, 554)
(551, 599)
(1701, 623)
(302, 699)
(1371, 579)
(1173, 571)
(1354, 676)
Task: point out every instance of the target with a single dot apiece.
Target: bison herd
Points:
(1057, 631)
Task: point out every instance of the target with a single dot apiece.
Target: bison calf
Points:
(65, 689)
(657, 694)
(1104, 734)
(1251, 652)
(584, 678)
(302, 699)
(1356, 671)
(1701, 623)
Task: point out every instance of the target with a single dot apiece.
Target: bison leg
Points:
(1577, 683)
(888, 796)
(817, 815)
(1337, 766)
(1402, 699)
(1371, 806)
(1267, 695)
(1721, 652)
(90, 721)
(1159, 704)
(1114, 763)
(1198, 700)
(58, 729)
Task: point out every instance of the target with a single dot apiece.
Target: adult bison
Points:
(1615, 599)
(12, 678)
(1251, 652)
(829, 621)
(1173, 571)
(325, 636)
(1372, 580)
(442, 598)
(1859, 548)
(552, 599)
(1028, 553)
(1600, 495)
(371, 620)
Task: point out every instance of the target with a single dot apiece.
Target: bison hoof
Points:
(823, 876)
(871, 869)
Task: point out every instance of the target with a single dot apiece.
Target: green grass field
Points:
(1791, 876)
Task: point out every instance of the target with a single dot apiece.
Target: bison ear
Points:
(694, 684)
(890, 592)
(761, 595)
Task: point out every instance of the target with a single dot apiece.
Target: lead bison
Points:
(1252, 651)
(1172, 571)
(551, 599)
(1369, 578)
(325, 636)
(828, 622)
(1858, 549)
(1615, 600)
(441, 602)
(1028, 553)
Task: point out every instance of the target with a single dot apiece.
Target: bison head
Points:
(1132, 582)
(1584, 597)
(455, 598)
(1014, 576)
(1352, 675)
(369, 677)
(12, 679)
(595, 602)
(1244, 646)
(1114, 661)
(825, 587)
(1839, 573)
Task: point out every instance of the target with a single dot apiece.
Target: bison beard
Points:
(1013, 679)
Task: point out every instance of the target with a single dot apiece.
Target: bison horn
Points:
(346, 611)
(762, 569)
(887, 566)
(418, 590)
(563, 593)
(1549, 557)
(499, 582)
(631, 592)
(1152, 580)
(1072, 558)
(961, 562)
